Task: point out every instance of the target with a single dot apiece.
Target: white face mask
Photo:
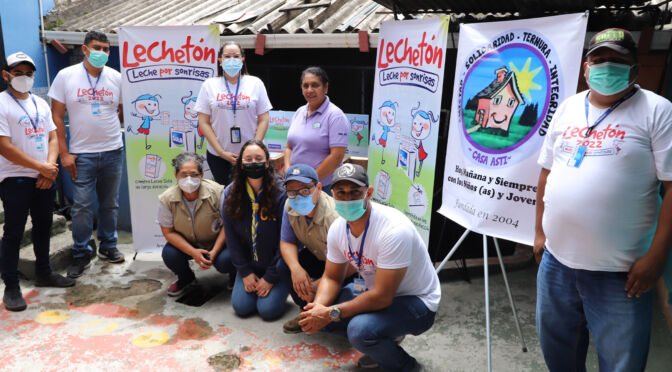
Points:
(189, 184)
(22, 84)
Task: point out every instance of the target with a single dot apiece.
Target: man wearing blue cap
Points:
(308, 215)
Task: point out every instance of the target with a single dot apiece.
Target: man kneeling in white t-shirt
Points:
(397, 291)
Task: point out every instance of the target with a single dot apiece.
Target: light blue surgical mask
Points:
(97, 58)
(303, 205)
(232, 66)
(351, 210)
(609, 78)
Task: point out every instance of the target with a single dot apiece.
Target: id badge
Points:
(95, 108)
(577, 157)
(359, 285)
(235, 135)
(39, 143)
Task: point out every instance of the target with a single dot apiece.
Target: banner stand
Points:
(487, 289)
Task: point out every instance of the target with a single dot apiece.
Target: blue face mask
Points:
(609, 78)
(351, 210)
(302, 204)
(232, 66)
(97, 58)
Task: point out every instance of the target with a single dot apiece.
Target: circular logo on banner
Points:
(509, 90)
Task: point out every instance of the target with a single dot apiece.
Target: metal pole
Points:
(487, 300)
(508, 292)
(452, 250)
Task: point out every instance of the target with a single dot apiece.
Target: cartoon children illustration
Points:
(388, 112)
(191, 115)
(420, 128)
(356, 127)
(147, 108)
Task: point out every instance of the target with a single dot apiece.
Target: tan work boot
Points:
(292, 326)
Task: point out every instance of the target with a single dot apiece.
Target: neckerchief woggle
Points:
(93, 87)
(235, 98)
(255, 219)
(358, 259)
(35, 123)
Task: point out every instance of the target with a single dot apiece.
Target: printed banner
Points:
(509, 79)
(405, 116)
(279, 122)
(162, 71)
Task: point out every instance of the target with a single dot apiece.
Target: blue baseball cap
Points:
(302, 173)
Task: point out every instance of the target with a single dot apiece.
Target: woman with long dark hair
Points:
(232, 108)
(252, 214)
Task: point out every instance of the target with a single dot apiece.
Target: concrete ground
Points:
(118, 318)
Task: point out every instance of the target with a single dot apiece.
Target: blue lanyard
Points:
(93, 87)
(358, 260)
(36, 122)
(235, 99)
(606, 113)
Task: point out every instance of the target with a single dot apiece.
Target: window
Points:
(497, 100)
(511, 102)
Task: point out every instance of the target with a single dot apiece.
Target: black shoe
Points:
(111, 255)
(78, 266)
(13, 299)
(54, 280)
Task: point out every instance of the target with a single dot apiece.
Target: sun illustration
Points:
(525, 78)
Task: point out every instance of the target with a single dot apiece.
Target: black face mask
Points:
(254, 170)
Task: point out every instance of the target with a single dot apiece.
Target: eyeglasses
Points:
(353, 194)
(304, 191)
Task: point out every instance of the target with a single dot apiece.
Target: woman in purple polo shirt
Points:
(318, 134)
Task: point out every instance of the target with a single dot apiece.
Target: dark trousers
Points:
(310, 263)
(19, 198)
(178, 262)
(220, 168)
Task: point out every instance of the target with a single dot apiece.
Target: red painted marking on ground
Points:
(191, 330)
(223, 332)
(304, 351)
(106, 310)
(160, 320)
(250, 334)
(30, 296)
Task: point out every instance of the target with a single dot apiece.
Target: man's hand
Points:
(263, 287)
(43, 183)
(199, 258)
(48, 170)
(538, 247)
(314, 318)
(303, 284)
(643, 275)
(68, 162)
(250, 283)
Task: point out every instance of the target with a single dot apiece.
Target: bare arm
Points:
(67, 159)
(330, 284)
(539, 235)
(209, 133)
(288, 154)
(16, 156)
(331, 162)
(262, 126)
(219, 244)
(120, 113)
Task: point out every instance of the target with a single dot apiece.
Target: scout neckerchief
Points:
(255, 219)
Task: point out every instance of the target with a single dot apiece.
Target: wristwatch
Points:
(335, 313)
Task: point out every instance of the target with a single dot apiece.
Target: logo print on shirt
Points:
(605, 141)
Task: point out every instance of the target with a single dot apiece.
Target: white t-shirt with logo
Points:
(214, 100)
(602, 215)
(15, 124)
(94, 124)
(392, 242)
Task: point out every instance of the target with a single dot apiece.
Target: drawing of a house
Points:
(498, 102)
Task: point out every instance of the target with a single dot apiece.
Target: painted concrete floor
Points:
(118, 318)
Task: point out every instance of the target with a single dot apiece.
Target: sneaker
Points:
(78, 266)
(54, 280)
(177, 289)
(13, 299)
(111, 255)
(292, 326)
(365, 362)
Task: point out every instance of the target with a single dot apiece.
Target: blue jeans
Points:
(373, 333)
(571, 303)
(178, 262)
(98, 177)
(19, 198)
(270, 307)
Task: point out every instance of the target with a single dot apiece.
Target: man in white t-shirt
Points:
(601, 227)
(28, 149)
(397, 291)
(90, 92)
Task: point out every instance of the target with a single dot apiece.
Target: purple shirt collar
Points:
(322, 108)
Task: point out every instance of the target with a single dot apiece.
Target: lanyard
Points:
(93, 87)
(36, 122)
(358, 260)
(235, 99)
(606, 113)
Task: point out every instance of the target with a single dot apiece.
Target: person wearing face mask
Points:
(90, 92)
(318, 134)
(232, 109)
(306, 219)
(396, 291)
(190, 221)
(252, 213)
(602, 232)
(28, 152)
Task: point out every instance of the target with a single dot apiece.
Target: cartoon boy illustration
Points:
(356, 127)
(191, 115)
(147, 108)
(420, 128)
(388, 111)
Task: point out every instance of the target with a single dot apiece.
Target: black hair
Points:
(95, 35)
(317, 71)
(220, 71)
(269, 186)
(186, 157)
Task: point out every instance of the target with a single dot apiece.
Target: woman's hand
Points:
(229, 156)
(251, 282)
(202, 258)
(263, 288)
